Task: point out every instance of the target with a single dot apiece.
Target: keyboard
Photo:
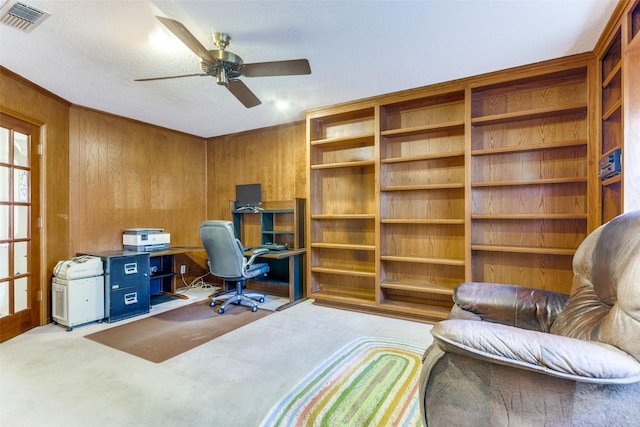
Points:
(273, 246)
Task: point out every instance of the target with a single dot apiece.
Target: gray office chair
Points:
(227, 261)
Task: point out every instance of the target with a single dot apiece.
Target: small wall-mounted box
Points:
(611, 165)
(145, 239)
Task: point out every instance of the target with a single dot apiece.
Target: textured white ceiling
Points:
(90, 51)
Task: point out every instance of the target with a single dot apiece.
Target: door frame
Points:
(37, 131)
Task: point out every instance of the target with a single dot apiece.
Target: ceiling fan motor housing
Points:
(228, 66)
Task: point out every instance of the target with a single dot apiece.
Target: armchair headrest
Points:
(605, 298)
(615, 258)
(616, 278)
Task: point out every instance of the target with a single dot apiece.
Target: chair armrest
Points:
(255, 254)
(555, 355)
(522, 307)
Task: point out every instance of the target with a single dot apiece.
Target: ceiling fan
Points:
(228, 67)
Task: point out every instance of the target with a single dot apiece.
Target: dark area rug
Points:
(166, 335)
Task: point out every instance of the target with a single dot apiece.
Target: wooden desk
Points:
(165, 268)
(286, 269)
(285, 278)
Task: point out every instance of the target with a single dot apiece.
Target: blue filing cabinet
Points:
(126, 284)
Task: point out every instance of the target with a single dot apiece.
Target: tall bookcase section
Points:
(342, 206)
(529, 151)
(422, 203)
(634, 21)
(618, 53)
(611, 145)
(632, 111)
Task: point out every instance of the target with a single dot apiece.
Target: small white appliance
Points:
(78, 291)
(79, 268)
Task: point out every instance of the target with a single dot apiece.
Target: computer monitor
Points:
(248, 196)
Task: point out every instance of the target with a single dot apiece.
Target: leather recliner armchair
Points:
(510, 355)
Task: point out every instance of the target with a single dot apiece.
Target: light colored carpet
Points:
(53, 378)
(369, 382)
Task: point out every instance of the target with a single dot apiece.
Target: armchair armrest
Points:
(522, 307)
(555, 355)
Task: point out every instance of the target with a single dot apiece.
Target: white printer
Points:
(145, 239)
(78, 291)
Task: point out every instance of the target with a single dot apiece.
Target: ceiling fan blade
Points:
(181, 32)
(168, 77)
(276, 68)
(243, 93)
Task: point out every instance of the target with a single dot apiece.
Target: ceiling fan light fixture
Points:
(222, 78)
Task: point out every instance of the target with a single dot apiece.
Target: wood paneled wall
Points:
(126, 174)
(274, 157)
(103, 173)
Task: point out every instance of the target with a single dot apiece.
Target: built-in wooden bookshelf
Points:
(618, 53)
(612, 123)
(484, 179)
(631, 94)
(634, 20)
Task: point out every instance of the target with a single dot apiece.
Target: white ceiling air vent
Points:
(22, 16)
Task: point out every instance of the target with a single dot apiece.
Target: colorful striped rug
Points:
(369, 382)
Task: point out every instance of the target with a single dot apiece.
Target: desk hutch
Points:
(280, 222)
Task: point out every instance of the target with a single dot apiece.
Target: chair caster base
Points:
(241, 300)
